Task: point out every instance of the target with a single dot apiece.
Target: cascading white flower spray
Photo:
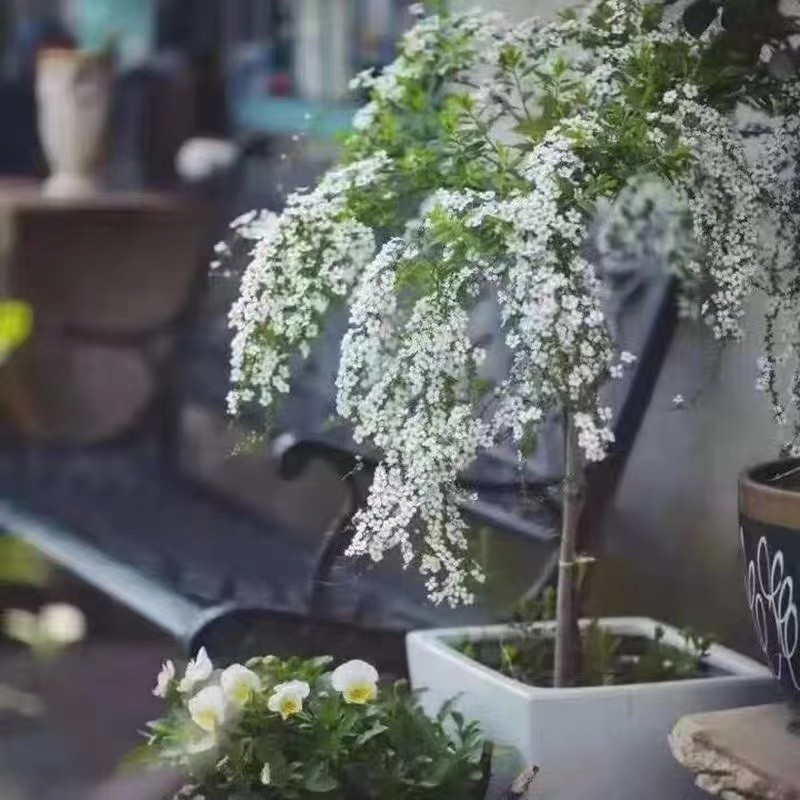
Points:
(480, 161)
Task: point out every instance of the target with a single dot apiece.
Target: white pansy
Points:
(357, 681)
(164, 680)
(208, 708)
(198, 670)
(266, 775)
(239, 684)
(287, 698)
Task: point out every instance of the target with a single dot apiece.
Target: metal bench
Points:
(123, 515)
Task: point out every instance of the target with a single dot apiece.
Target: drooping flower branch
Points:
(478, 166)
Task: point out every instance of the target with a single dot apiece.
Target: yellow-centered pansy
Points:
(287, 698)
(207, 709)
(357, 681)
(239, 684)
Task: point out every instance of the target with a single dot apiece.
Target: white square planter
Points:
(593, 743)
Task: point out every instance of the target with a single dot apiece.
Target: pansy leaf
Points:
(319, 779)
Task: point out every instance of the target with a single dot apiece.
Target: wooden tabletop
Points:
(744, 754)
(26, 193)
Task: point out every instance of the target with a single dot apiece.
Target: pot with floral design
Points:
(769, 514)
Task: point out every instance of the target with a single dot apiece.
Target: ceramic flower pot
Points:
(73, 92)
(588, 742)
(769, 516)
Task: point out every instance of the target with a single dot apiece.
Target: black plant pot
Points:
(769, 515)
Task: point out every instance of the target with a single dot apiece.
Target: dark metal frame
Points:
(230, 631)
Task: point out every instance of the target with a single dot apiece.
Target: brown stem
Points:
(567, 634)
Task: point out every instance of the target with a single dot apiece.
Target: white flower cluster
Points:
(213, 699)
(547, 123)
(402, 382)
(727, 214)
(405, 373)
(420, 56)
(300, 262)
(779, 367)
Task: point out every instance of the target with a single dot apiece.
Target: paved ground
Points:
(91, 704)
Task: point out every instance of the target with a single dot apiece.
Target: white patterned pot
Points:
(769, 516)
(591, 743)
(73, 93)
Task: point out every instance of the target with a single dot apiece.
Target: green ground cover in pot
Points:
(294, 729)
(607, 659)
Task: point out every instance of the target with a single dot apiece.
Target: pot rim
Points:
(735, 668)
(772, 505)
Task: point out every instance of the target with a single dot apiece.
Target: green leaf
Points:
(140, 756)
(20, 564)
(448, 707)
(16, 323)
(367, 736)
(319, 779)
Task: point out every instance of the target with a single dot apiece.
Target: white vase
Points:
(591, 743)
(73, 92)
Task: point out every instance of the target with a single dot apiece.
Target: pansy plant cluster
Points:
(293, 729)
(478, 165)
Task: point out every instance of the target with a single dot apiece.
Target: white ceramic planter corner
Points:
(593, 743)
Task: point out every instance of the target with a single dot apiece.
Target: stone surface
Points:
(745, 754)
(91, 703)
(524, 786)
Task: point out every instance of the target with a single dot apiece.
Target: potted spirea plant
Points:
(479, 164)
(296, 729)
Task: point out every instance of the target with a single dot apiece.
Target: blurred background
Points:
(131, 133)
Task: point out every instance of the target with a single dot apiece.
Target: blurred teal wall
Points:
(130, 24)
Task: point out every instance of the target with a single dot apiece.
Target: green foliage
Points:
(384, 750)
(607, 659)
(20, 564)
(16, 323)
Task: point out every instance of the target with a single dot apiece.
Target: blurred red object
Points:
(280, 84)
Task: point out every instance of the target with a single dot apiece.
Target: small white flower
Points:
(357, 681)
(670, 97)
(21, 625)
(164, 680)
(287, 699)
(239, 684)
(62, 624)
(266, 775)
(56, 625)
(197, 671)
(208, 708)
